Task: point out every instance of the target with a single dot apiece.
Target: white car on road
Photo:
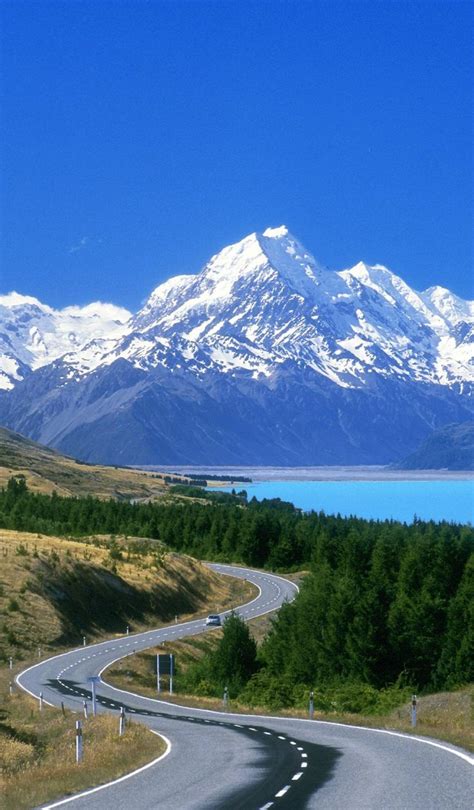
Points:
(213, 620)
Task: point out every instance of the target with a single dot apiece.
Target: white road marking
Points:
(304, 764)
(282, 792)
(297, 776)
(115, 781)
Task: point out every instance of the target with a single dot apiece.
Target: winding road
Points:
(224, 761)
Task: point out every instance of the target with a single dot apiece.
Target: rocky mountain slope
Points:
(263, 357)
(449, 448)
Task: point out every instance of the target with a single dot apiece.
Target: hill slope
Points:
(54, 591)
(46, 470)
(449, 448)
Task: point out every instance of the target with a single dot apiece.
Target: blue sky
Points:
(141, 137)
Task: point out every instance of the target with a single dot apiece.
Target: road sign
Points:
(164, 666)
(93, 680)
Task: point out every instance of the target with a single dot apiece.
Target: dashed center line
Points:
(141, 642)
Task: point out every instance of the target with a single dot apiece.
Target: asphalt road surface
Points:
(223, 761)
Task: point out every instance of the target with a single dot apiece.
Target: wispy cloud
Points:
(83, 242)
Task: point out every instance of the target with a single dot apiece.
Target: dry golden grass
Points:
(42, 744)
(37, 751)
(32, 616)
(46, 470)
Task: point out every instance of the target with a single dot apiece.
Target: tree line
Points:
(383, 602)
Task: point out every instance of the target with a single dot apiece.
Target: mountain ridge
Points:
(260, 350)
(450, 447)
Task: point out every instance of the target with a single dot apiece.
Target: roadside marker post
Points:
(83, 641)
(11, 688)
(413, 710)
(10, 660)
(226, 697)
(41, 701)
(78, 741)
(128, 629)
(311, 705)
(86, 713)
(122, 721)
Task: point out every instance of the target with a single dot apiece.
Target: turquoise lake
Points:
(451, 500)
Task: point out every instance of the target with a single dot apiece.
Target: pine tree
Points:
(235, 659)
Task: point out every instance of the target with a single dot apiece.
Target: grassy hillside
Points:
(54, 591)
(46, 470)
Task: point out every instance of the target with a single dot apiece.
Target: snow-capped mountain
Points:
(33, 334)
(264, 356)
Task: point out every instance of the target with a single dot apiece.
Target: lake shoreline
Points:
(336, 473)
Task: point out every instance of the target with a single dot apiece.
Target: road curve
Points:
(222, 761)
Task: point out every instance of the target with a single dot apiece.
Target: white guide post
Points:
(78, 741)
(122, 721)
(413, 710)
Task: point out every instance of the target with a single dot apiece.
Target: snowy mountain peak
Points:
(275, 233)
(14, 299)
(263, 356)
(258, 306)
(99, 311)
(33, 334)
(452, 308)
(260, 255)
